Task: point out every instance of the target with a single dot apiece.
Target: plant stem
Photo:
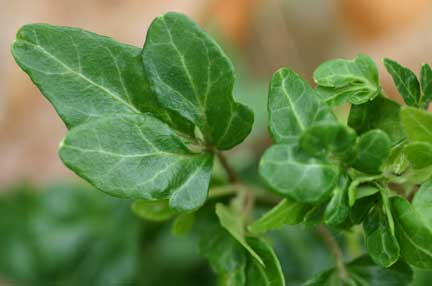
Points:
(232, 175)
(335, 251)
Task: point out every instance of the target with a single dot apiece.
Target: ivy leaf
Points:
(355, 81)
(406, 82)
(257, 274)
(419, 154)
(363, 271)
(323, 138)
(381, 113)
(423, 200)
(414, 234)
(293, 107)
(338, 209)
(139, 157)
(373, 148)
(381, 244)
(426, 85)
(417, 124)
(86, 76)
(233, 223)
(285, 212)
(309, 180)
(153, 210)
(191, 75)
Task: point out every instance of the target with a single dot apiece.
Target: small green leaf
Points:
(183, 223)
(426, 85)
(406, 82)
(381, 113)
(338, 209)
(153, 210)
(373, 149)
(323, 138)
(355, 81)
(417, 124)
(419, 154)
(293, 107)
(191, 75)
(414, 234)
(397, 161)
(422, 202)
(292, 173)
(286, 212)
(86, 76)
(139, 157)
(233, 223)
(381, 244)
(257, 274)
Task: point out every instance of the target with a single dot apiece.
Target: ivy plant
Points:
(149, 124)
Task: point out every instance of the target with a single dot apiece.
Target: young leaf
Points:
(86, 76)
(381, 244)
(426, 85)
(363, 272)
(417, 124)
(294, 174)
(293, 107)
(338, 209)
(153, 210)
(373, 148)
(355, 81)
(406, 82)
(234, 225)
(286, 212)
(256, 274)
(323, 138)
(381, 113)
(140, 157)
(423, 200)
(191, 75)
(419, 154)
(414, 234)
(183, 223)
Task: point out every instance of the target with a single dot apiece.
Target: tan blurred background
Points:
(262, 35)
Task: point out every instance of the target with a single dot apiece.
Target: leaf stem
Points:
(232, 175)
(335, 250)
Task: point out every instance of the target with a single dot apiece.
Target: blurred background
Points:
(259, 35)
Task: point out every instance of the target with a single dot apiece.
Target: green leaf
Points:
(257, 274)
(286, 212)
(323, 138)
(426, 85)
(417, 124)
(233, 223)
(363, 272)
(338, 209)
(293, 107)
(397, 161)
(153, 210)
(183, 223)
(381, 244)
(414, 234)
(86, 76)
(139, 157)
(406, 82)
(288, 171)
(355, 81)
(373, 149)
(381, 113)
(191, 75)
(422, 202)
(419, 154)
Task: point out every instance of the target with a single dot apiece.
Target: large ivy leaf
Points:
(381, 113)
(422, 202)
(291, 172)
(192, 75)
(355, 81)
(406, 82)
(286, 212)
(364, 272)
(417, 124)
(293, 106)
(426, 85)
(373, 148)
(414, 234)
(87, 76)
(381, 244)
(140, 157)
(419, 154)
